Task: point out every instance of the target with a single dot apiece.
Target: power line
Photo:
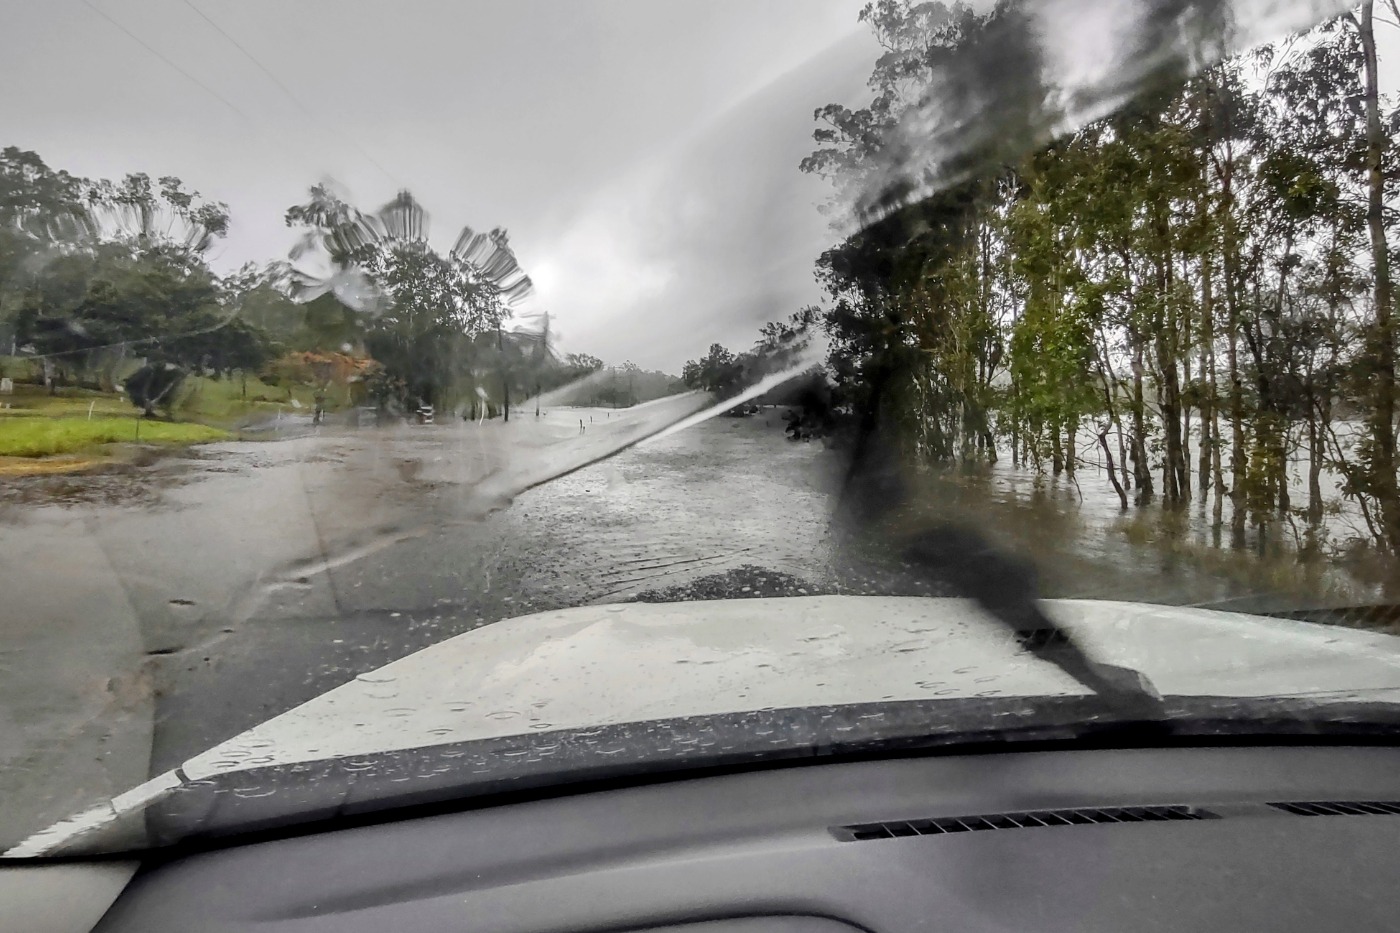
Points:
(283, 88)
(141, 42)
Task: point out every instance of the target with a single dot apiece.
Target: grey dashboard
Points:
(1279, 839)
(61, 898)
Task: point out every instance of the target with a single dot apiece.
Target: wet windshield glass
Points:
(411, 405)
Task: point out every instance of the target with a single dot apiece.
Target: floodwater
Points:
(1186, 554)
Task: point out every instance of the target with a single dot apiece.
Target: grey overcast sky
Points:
(642, 153)
(615, 139)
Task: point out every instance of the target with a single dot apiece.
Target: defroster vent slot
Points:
(1033, 819)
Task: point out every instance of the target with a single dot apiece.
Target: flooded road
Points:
(160, 610)
(157, 612)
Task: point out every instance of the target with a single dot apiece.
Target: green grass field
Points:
(49, 436)
(34, 423)
(199, 399)
(73, 403)
(221, 401)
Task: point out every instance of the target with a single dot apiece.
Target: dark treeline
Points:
(583, 379)
(783, 354)
(94, 273)
(780, 346)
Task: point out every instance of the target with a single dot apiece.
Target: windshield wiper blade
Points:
(1005, 590)
(1124, 687)
(876, 490)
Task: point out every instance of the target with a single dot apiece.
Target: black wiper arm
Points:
(1005, 589)
(1123, 685)
(876, 490)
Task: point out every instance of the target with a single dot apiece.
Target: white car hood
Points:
(603, 665)
(606, 665)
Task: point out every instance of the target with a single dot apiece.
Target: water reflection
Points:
(1084, 545)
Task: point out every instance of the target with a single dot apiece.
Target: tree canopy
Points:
(435, 322)
(1194, 290)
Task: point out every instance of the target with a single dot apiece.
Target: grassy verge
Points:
(217, 401)
(222, 401)
(73, 403)
(49, 436)
(68, 432)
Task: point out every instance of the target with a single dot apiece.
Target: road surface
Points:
(155, 612)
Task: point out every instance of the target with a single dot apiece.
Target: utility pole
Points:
(505, 377)
(541, 355)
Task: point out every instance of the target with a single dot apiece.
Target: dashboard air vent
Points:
(1341, 808)
(1029, 820)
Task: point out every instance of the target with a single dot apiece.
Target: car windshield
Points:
(410, 403)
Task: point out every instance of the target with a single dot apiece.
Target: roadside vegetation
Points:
(109, 309)
(46, 437)
(35, 422)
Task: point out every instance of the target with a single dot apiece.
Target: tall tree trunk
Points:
(1168, 384)
(1175, 461)
(1269, 484)
(1183, 478)
(1071, 430)
(1239, 456)
(1182, 350)
(1229, 265)
(1221, 221)
(1142, 472)
(1169, 395)
(1110, 384)
(505, 375)
(1123, 456)
(1383, 339)
(1207, 367)
(1015, 431)
(1217, 474)
(1112, 476)
(985, 365)
(1315, 454)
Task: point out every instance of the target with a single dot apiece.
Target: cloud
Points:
(705, 239)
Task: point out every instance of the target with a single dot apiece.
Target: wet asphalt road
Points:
(155, 612)
(729, 504)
